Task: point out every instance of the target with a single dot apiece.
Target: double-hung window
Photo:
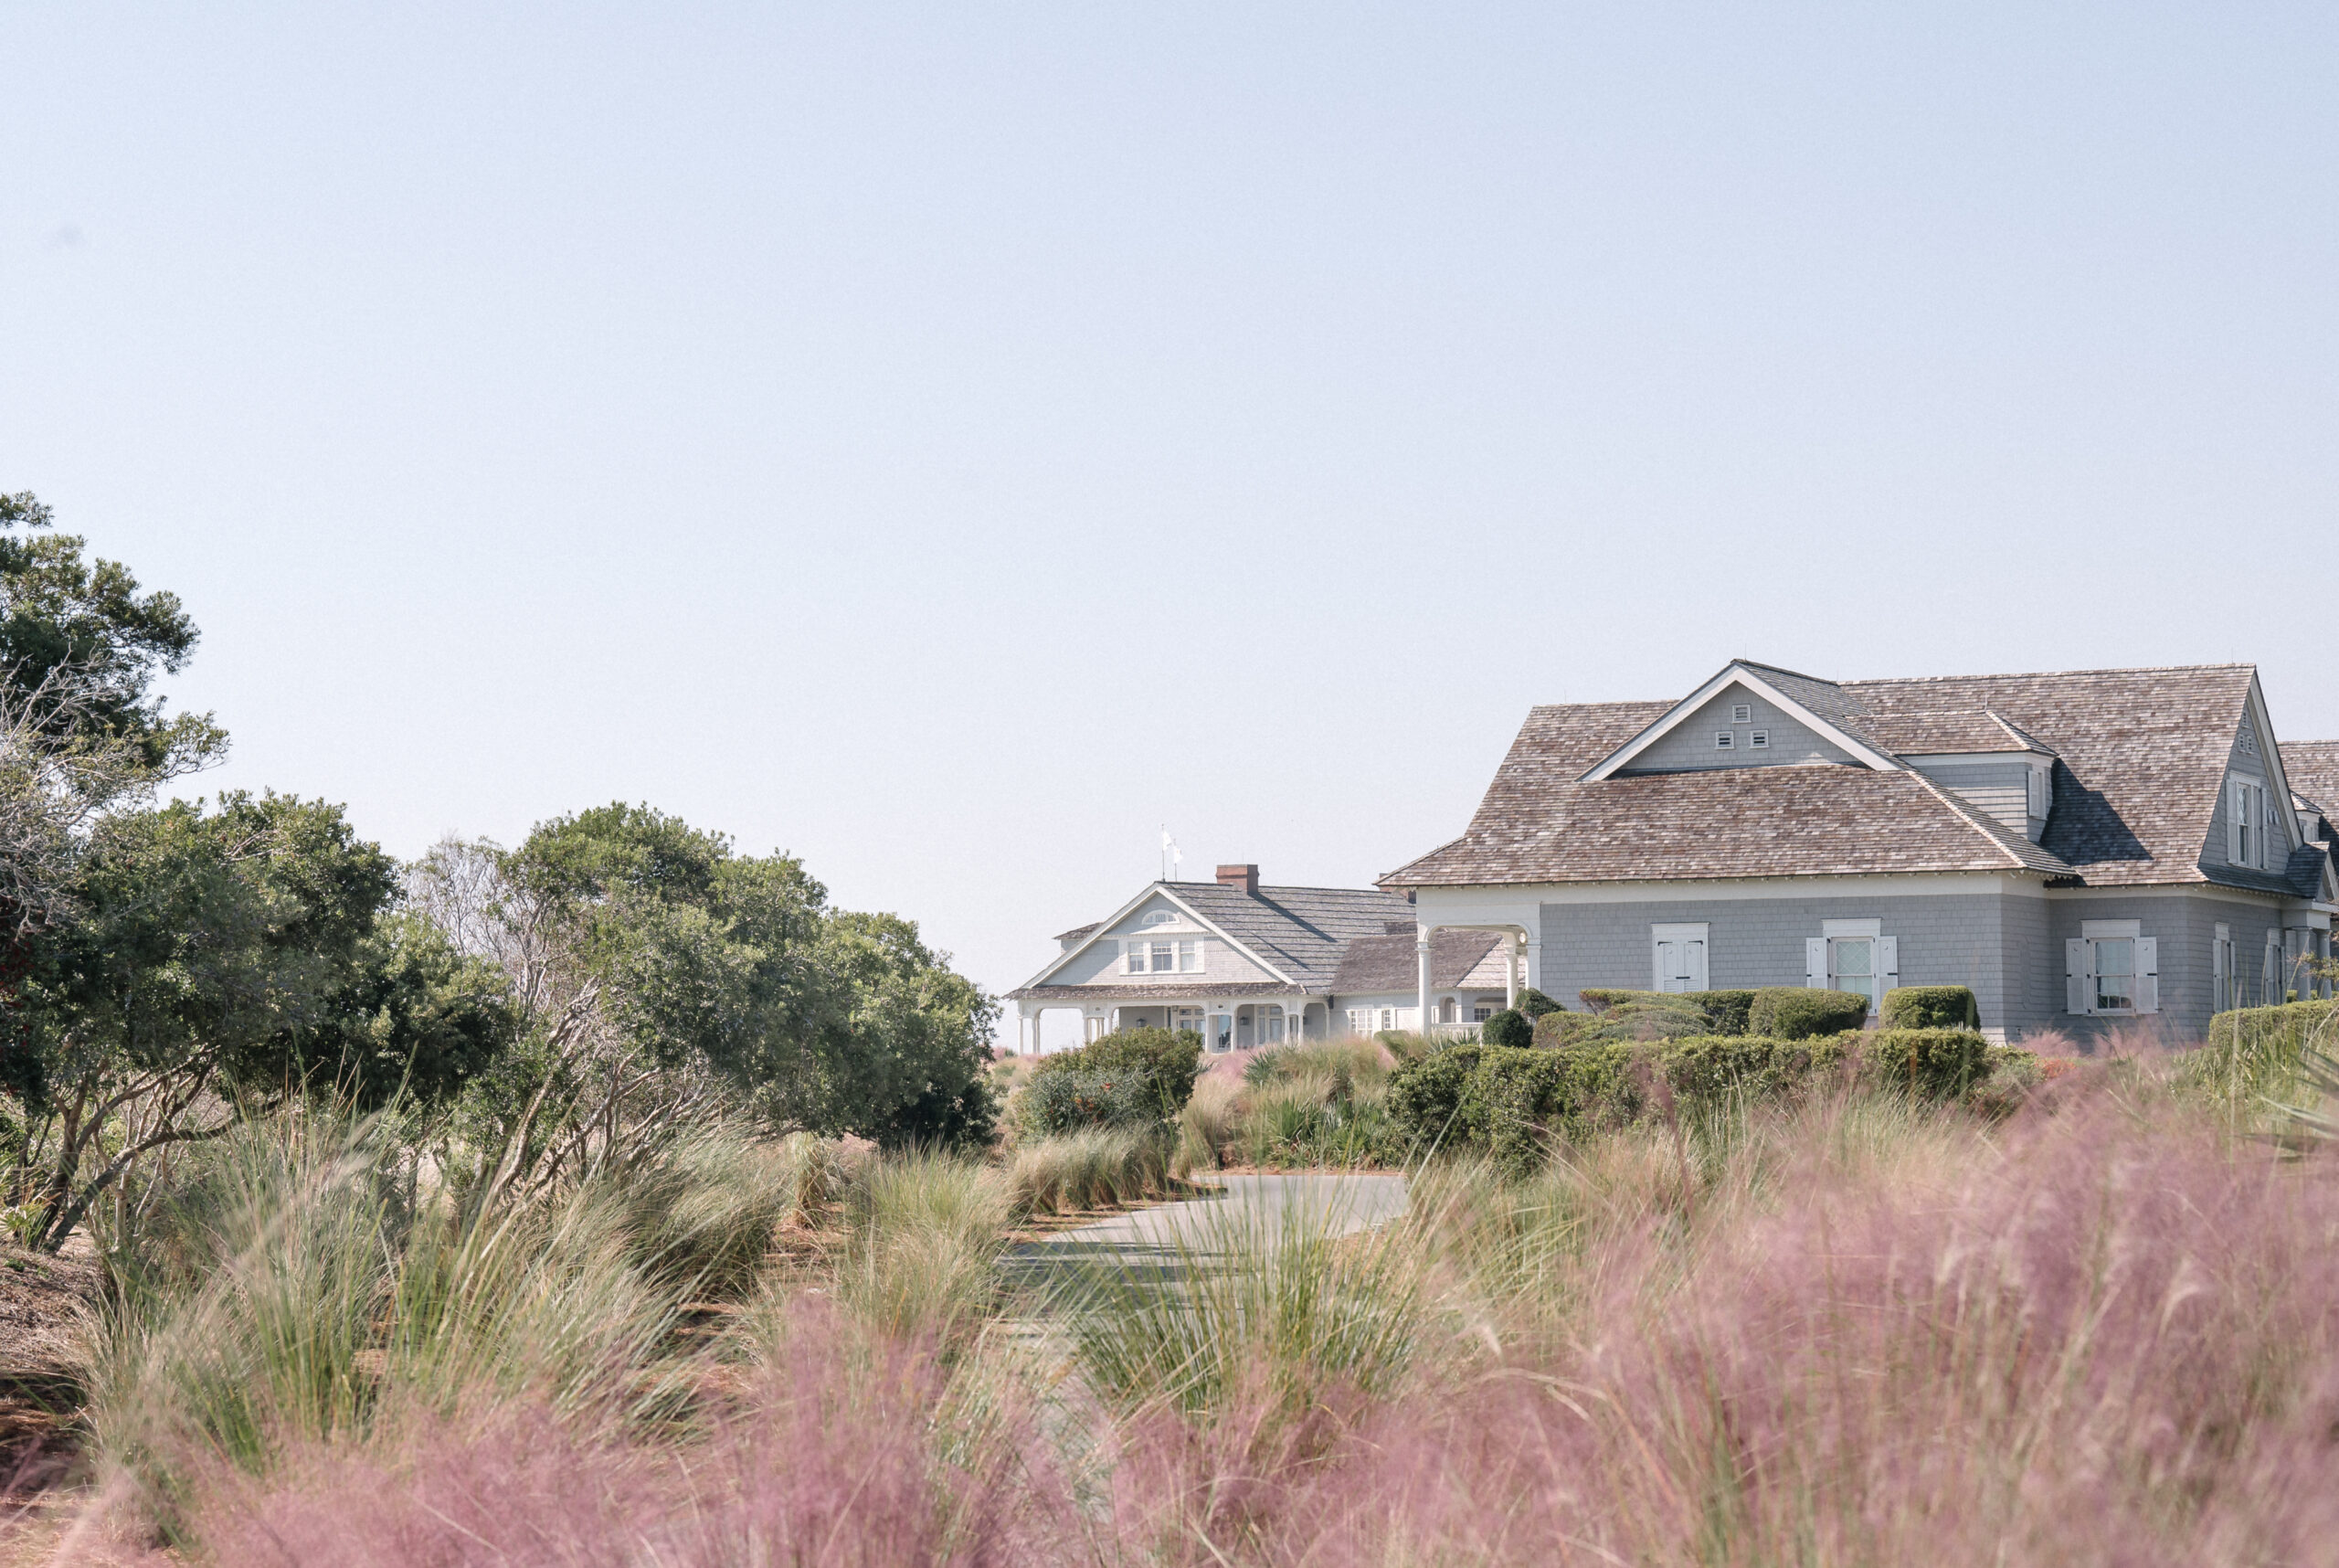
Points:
(2111, 968)
(1854, 956)
(1161, 956)
(2245, 820)
(2221, 970)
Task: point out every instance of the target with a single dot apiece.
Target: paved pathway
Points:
(1162, 1238)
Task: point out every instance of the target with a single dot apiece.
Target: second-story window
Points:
(2246, 823)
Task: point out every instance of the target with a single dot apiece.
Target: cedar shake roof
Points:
(1390, 963)
(2140, 756)
(1077, 932)
(2313, 769)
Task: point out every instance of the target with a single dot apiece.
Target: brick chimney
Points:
(1245, 877)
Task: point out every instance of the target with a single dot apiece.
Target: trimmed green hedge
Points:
(1077, 1099)
(1724, 1011)
(2285, 1029)
(1659, 1019)
(1930, 1007)
(1508, 1102)
(1508, 1027)
(1800, 1013)
(1535, 1005)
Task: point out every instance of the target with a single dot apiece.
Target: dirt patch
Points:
(44, 1303)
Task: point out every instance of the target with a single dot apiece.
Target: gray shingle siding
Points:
(1944, 939)
(1692, 745)
(2184, 929)
(2000, 789)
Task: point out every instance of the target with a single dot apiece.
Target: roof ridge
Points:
(1783, 670)
(2040, 674)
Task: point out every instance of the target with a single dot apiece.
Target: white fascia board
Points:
(1105, 926)
(2273, 757)
(1963, 758)
(1679, 715)
(1474, 907)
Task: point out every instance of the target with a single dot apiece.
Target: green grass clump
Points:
(1089, 1170)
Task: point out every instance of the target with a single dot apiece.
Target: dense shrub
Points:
(1646, 1017)
(1800, 1013)
(1425, 1097)
(1719, 1011)
(2254, 1052)
(1930, 1007)
(1167, 1061)
(1506, 1102)
(1728, 1012)
(1078, 1100)
(1508, 1027)
(1535, 1005)
(1934, 1064)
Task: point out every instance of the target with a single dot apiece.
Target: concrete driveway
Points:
(1160, 1240)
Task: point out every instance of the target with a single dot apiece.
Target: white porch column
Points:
(1421, 955)
(1027, 1039)
(1511, 960)
(1535, 963)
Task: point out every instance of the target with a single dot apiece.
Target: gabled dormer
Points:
(2254, 828)
(1748, 715)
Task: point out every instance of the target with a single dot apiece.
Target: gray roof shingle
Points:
(2141, 753)
(1375, 964)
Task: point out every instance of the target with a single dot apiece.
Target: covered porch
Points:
(1224, 1023)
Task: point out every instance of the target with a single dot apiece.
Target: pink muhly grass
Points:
(2114, 1339)
(828, 1461)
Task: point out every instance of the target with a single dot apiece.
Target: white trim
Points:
(1831, 929)
(1680, 712)
(1969, 759)
(1515, 905)
(2110, 930)
(1104, 932)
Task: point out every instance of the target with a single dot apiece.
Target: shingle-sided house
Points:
(1243, 965)
(2075, 847)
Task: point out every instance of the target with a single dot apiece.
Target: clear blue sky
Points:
(949, 442)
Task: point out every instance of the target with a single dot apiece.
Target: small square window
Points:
(1760, 740)
(1743, 713)
(1723, 740)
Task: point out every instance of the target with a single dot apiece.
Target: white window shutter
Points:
(1887, 965)
(2147, 974)
(2079, 977)
(1129, 957)
(1663, 965)
(1814, 962)
(1697, 966)
(2234, 821)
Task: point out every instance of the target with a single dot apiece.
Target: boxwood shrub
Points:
(1508, 1102)
(1535, 1005)
(1801, 1013)
(1930, 1007)
(1723, 1011)
(1508, 1027)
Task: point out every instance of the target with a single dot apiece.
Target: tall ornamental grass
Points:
(1090, 1168)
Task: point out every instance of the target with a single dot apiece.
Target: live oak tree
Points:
(222, 962)
(663, 976)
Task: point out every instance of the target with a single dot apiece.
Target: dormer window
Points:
(1741, 713)
(2246, 819)
(1724, 740)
